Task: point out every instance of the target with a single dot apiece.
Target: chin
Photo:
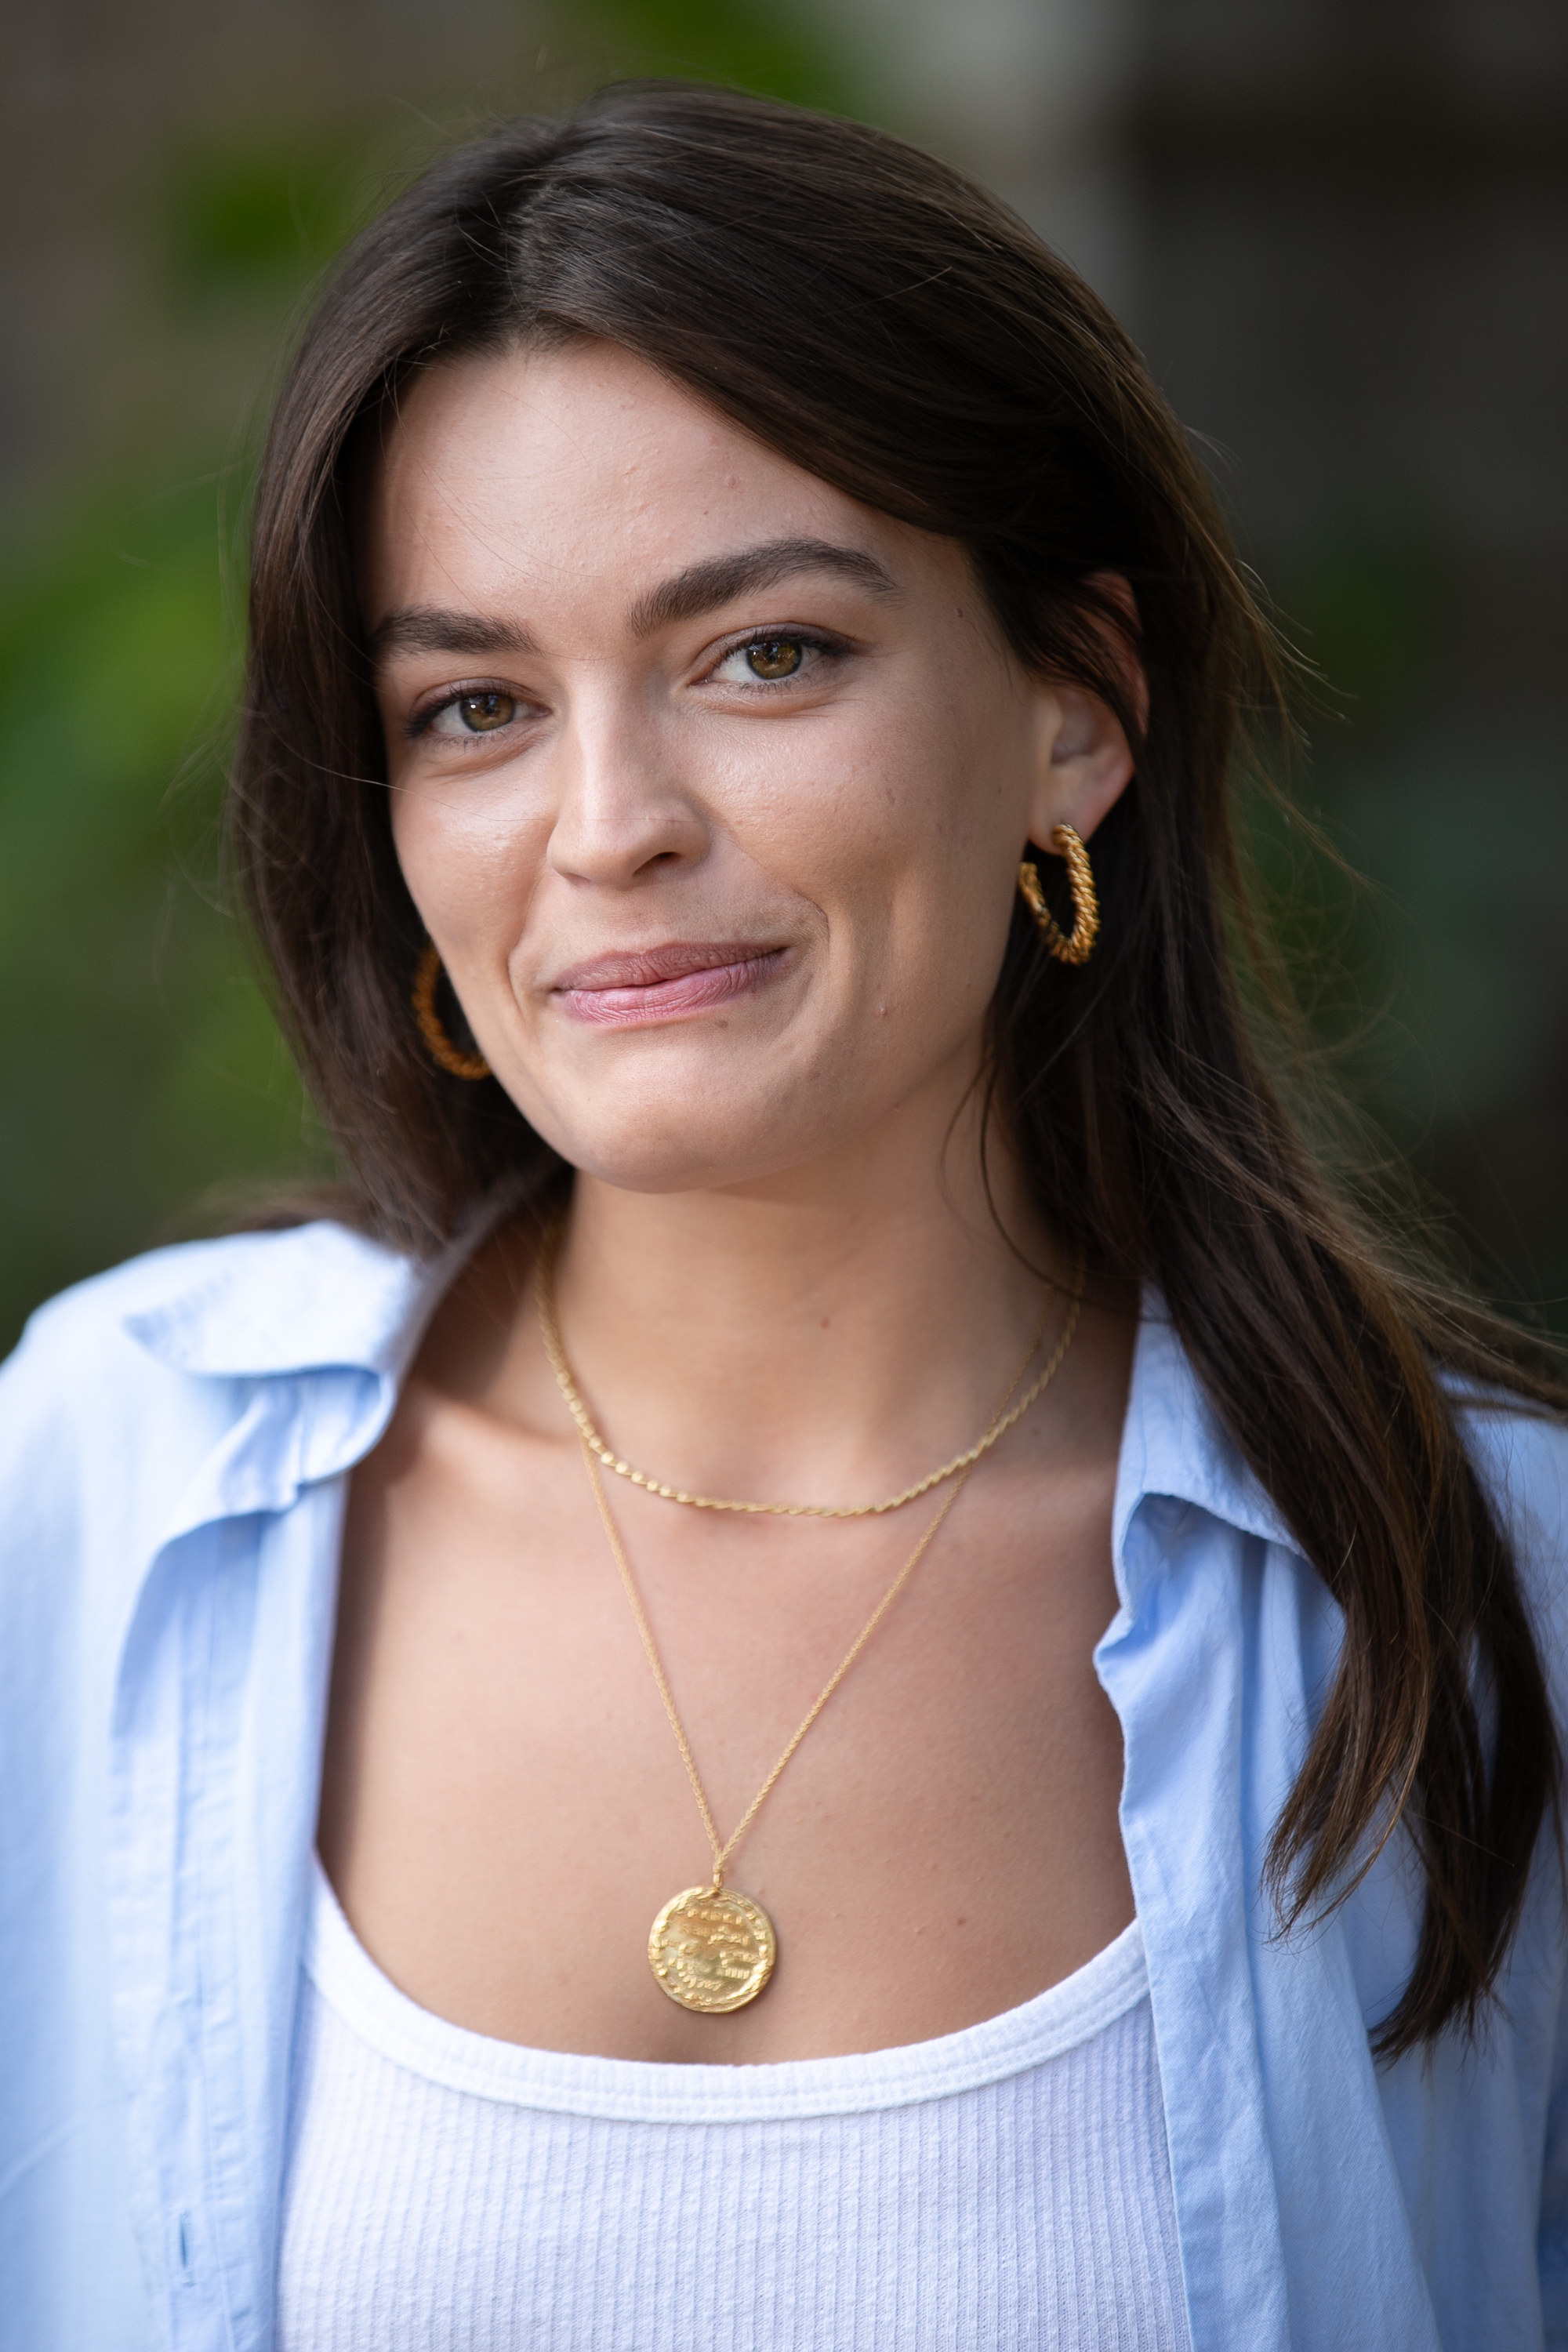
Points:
(687, 1121)
(682, 1162)
(674, 1143)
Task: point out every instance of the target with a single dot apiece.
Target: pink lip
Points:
(664, 984)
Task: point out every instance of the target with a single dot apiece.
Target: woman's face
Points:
(710, 783)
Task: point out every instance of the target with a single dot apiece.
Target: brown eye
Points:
(776, 657)
(474, 714)
(481, 712)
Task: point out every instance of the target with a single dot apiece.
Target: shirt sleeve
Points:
(1552, 2242)
(1523, 1460)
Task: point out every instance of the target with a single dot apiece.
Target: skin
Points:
(780, 1279)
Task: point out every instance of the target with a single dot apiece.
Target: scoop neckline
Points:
(636, 2090)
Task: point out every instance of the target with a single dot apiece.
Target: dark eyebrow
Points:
(703, 587)
(427, 629)
(700, 588)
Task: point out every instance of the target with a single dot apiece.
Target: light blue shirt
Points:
(175, 1440)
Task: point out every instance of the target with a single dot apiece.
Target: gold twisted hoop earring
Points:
(437, 1043)
(1076, 946)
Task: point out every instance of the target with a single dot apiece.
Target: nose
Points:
(624, 813)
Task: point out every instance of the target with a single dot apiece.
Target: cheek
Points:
(892, 790)
(915, 843)
(470, 856)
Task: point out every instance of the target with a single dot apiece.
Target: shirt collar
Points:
(1173, 1446)
(316, 1327)
(317, 1298)
(320, 1298)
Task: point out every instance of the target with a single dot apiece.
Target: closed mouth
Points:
(666, 982)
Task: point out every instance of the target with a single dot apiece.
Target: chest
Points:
(506, 1807)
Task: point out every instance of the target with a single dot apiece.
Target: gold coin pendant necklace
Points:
(712, 1948)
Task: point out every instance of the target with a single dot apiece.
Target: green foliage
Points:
(1370, 613)
(142, 1065)
(236, 215)
(1432, 962)
(741, 42)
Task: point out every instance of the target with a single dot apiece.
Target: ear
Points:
(1084, 761)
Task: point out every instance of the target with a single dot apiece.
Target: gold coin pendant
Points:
(712, 1951)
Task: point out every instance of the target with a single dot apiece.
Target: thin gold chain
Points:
(959, 1473)
(721, 1853)
(1002, 1422)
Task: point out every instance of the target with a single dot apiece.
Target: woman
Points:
(854, 1428)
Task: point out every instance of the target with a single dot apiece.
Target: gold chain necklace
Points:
(712, 1948)
(1001, 1422)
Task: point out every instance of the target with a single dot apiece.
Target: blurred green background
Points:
(1341, 243)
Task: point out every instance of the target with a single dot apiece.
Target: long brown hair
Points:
(887, 325)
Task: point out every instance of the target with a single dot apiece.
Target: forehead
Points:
(585, 469)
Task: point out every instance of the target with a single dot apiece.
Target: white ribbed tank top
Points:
(999, 2189)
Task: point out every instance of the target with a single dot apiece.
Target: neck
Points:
(821, 1336)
